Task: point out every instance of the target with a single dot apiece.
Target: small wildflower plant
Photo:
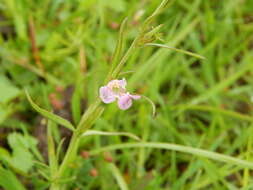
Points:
(113, 89)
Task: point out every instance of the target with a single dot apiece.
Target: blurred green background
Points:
(60, 50)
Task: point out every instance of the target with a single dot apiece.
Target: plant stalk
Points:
(71, 153)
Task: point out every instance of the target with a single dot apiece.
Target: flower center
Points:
(117, 89)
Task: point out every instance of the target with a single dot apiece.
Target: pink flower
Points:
(116, 89)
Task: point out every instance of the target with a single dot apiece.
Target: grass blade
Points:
(51, 149)
(180, 148)
(176, 49)
(119, 178)
(223, 84)
(95, 132)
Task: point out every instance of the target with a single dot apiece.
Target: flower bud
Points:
(59, 89)
(55, 102)
(93, 172)
(108, 157)
(85, 154)
(114, 25)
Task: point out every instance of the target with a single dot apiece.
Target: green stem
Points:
(124, 59)
(68, 159)
(92, 109)
(71, 153)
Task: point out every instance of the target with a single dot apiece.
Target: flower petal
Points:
(123, 83)
(125, 102)
(119, 83)
(106, 95)
(135, 97)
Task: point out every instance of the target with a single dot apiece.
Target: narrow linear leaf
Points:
(176, 49)
(158, 10)
(119, 46)
(180, 148)
(118, 176)
(59, 149)
(103, 133)
(154, 31)
(76, 102)
(41, 164)
(53, 164)
(126, 72)
(44, 174)
(59, 120)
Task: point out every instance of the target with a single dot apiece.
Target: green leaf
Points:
(95, 132)
(59, 149)
(150, 36)
(76, 99)
(9, 181)
(4, 155)
(22, 148)
(31, 144)
(180, 148)
(176, 49)
(118, 176)
(8, 91)
(53, 163)
(59, 120)
(17, 10)
(116, 5)
(20, 152)
(119, 46)
(159, 9)
(5, 111)
(118, 49)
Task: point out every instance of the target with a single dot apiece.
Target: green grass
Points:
(204, 104)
